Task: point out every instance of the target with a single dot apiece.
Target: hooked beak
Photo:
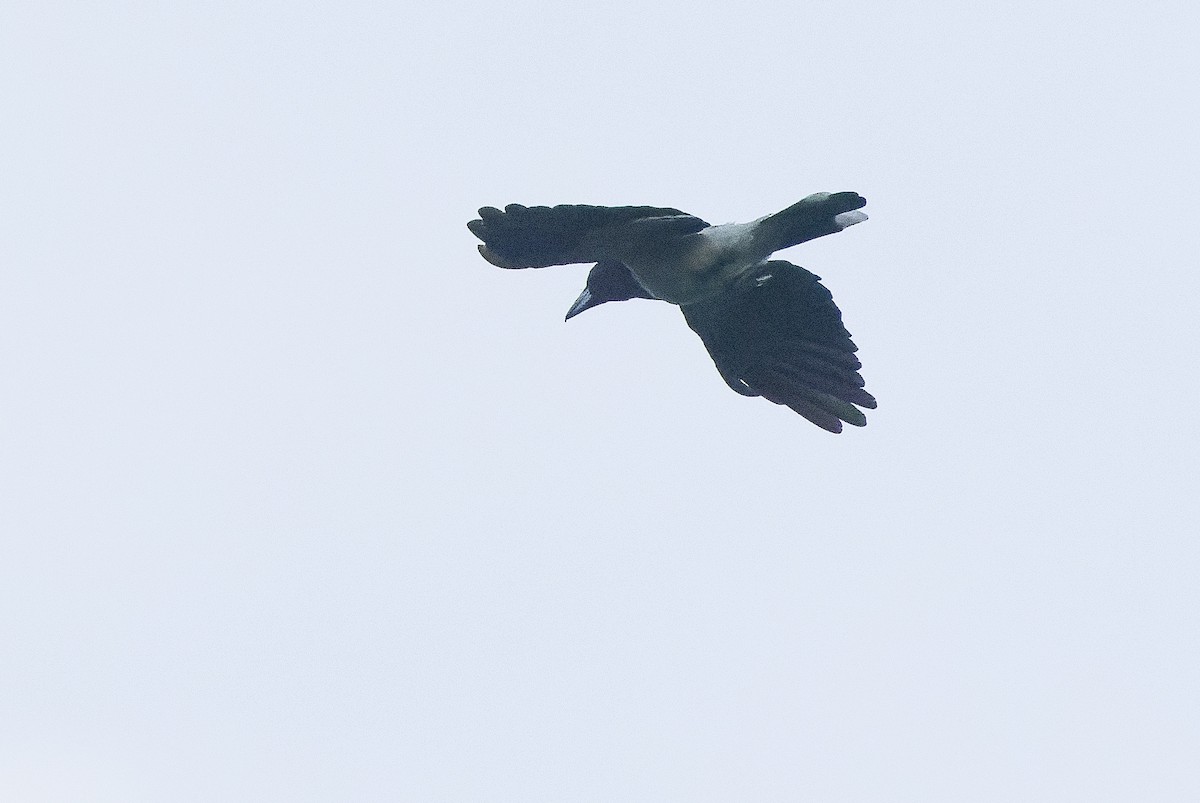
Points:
(585, 301)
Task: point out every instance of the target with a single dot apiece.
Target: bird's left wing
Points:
(778, 334)
(540, 236)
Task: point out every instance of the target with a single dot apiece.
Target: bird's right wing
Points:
(779, 335)
(539, 236)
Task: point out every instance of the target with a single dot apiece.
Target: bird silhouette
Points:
(771, 327)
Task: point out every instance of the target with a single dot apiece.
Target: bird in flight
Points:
(771, 327)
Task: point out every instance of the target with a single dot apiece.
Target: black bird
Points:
(771, 327)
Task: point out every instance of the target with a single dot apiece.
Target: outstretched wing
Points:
(539, 236)
(779, 335)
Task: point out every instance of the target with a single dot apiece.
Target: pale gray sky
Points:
(304, 501)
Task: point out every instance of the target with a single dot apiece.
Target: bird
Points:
(771, 328)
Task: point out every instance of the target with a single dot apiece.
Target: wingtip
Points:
(492, 257)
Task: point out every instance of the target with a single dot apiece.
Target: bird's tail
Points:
(815, 216)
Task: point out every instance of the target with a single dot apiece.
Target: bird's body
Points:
(691, 268)
(770, 326)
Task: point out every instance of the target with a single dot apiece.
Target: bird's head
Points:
(607, 281)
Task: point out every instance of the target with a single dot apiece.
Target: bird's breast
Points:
(692, 268)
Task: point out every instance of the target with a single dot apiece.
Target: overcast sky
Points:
(304, 501)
